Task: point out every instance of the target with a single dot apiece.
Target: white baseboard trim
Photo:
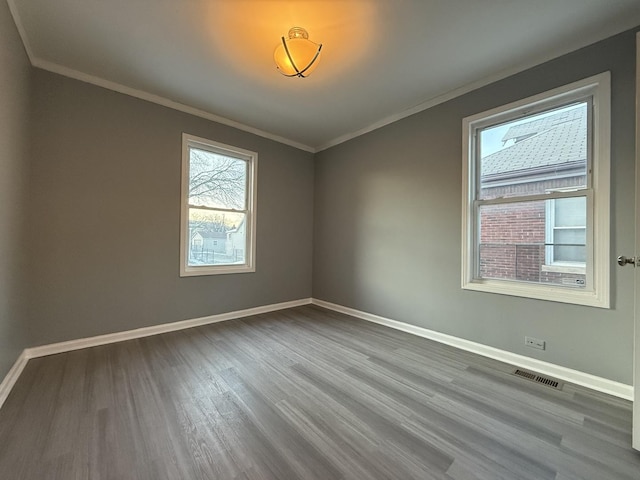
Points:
(593, 382)
(562, 373)
(80, 343)
(12, 377)
(44, 350)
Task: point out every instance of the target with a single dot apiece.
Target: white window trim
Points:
(250, 219)
(597, 293)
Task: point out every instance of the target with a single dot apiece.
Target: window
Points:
(218, 220)
(536, 196)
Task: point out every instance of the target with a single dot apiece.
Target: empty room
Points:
(305, 239)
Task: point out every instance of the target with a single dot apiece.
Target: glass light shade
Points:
(297, 56)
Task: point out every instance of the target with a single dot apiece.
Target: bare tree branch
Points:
(215, 180)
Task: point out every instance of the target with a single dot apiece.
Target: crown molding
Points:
(165, 102)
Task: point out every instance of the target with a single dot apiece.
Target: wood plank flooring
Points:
(303, 393)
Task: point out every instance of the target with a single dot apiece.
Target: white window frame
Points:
(251, 158)
(596, 292)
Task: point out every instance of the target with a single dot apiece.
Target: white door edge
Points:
(636, 342)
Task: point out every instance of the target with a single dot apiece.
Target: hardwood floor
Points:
(303, 393)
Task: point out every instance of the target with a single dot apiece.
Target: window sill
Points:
(558, 268)
(215, 270)
(552, 293)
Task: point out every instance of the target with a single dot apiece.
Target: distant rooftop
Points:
(210, 234)
(556, 140)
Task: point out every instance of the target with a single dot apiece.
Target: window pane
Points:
(216, 238)
(512, 245)
(531, 156)
(571, 212)
(569, 245)
(217, 181)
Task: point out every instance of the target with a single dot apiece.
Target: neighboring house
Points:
(542, 240)
(236, 242)
(205, 244)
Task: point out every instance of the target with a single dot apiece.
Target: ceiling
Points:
(381, 59)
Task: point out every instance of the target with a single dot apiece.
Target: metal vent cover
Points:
(534, 377)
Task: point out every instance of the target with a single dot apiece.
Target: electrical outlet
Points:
(534, 343)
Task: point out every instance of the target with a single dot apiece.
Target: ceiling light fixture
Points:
(297, 56)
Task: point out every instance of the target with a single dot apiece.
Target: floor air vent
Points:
(534, 377)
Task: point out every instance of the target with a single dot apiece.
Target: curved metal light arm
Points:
(311, 62)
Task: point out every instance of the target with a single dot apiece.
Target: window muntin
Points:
(536, 206)
(218, 211)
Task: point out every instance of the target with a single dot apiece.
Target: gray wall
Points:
(104, 202)
(14, 102)
(387, 225)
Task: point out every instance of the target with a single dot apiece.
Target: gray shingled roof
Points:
(548, 142)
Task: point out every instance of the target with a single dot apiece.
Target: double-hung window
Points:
(536, 196)
(218, 220)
